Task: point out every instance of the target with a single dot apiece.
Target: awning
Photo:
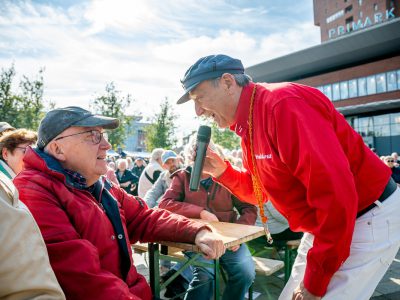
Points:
(369, 107)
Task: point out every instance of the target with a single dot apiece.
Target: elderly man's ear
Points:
(54, 149)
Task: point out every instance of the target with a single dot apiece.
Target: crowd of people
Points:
(77, 211)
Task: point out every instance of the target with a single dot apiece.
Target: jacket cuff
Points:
(316, 282)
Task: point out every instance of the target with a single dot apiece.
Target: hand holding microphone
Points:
(206, 160)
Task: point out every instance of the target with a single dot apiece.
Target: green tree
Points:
(224, 137)
(112, 104)
(161, 133)
(24, 109)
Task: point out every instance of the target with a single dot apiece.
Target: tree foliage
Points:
(161, 133)
(25, 108)
(224, 137)
(112, 104)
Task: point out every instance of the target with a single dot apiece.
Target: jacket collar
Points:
(242, 112)
(51, 165)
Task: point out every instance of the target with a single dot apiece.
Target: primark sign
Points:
(377, 18)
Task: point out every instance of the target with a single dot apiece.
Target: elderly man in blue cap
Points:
(347, 205)
(87, 223)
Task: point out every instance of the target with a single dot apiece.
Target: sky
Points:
(143, 46)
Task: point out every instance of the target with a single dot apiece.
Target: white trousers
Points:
(375, 243)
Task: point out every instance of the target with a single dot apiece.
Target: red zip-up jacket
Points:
(313, 166)
(80, 238)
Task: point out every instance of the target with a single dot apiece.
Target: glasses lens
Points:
(105, 136)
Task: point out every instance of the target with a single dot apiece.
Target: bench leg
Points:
(251, 292)
(154, 269)
(216, 280)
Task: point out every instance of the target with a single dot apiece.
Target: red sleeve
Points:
(75, 261)
(152, 225)
(173, 200)
(307, 143)
(238, 183)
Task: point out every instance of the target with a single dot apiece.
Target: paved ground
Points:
(268, 288)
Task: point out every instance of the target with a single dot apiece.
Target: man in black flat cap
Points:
(87, 223)
(347, 206)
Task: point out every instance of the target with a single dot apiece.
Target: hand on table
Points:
(301, 293)
(210, 244)
(206, 215)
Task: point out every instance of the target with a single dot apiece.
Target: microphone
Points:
(203, 138)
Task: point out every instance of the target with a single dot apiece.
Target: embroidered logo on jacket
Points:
(263, 156)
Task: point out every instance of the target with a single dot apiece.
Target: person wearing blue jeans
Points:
(239, 267)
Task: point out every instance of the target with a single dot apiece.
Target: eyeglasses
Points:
(96, 136)
(22, 148)
(390, 161)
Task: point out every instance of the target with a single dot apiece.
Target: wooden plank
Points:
(232, 234)
(266, 266)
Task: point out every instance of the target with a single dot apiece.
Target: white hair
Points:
(156, 154)
(120, 161)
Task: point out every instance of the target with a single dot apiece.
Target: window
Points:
(360, 15)
(398, 79)
(375, 7)
(362, 86)
(395, 118)
(360, 2)
(328, 91)
(335, 91)
(344, 90)
(349, 20)
(381, 119)
(391, 81)
(371, 85)
(348, 9)
(353, 88)
(381, 83)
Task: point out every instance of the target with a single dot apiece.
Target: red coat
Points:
(217, 200)
(313, 166)
(80, 239)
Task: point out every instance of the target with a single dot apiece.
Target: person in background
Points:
(130, 163)
(151, 172)
(87, 224)
(125, 177)
(24, 263)
(347, 205)
(137, 170)
(110, 174)
(396, 158)
(391, 163)
(5, 127)
(13, 145)
(170, 165)
(212, 202)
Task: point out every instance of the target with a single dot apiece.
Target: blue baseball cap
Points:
(167, 154)
(209, 67)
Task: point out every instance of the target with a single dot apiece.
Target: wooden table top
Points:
(232, 234)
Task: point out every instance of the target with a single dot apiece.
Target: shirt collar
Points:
(242, 112)
(77, 179)
(10, 173)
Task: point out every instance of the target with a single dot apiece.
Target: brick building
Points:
(359, 70)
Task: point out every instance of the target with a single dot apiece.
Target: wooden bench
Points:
(263, 266)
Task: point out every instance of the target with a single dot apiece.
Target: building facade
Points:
(358, 70)
(135, 142)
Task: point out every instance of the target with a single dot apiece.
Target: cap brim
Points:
(185, 97)
(98, 121)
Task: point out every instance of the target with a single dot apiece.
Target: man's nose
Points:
(198, 109)
(104, 144)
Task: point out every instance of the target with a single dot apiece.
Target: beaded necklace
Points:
(254, 176)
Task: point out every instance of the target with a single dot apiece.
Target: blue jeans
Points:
(240, 270)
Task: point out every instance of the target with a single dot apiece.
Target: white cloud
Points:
(85, 46)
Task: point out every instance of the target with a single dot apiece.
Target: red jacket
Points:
(80, 239)
(313, 166)
(217, 200)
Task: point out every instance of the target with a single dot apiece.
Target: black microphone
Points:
(203, 138)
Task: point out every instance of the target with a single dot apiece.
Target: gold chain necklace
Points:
(254, 176)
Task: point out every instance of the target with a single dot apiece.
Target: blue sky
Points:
(143, 46)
